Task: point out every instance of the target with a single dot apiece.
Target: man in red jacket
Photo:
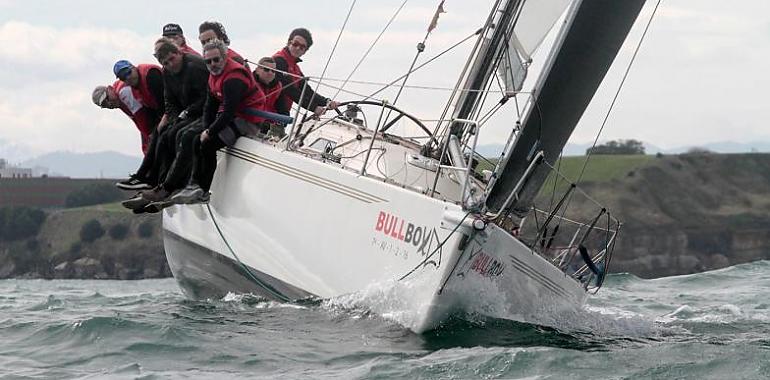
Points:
(270, 84)
(146, 81)
(233, 91)
(287, 62)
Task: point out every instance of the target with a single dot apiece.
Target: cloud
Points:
(701, 67)
(45, 95)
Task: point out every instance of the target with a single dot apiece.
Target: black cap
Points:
(172, 30)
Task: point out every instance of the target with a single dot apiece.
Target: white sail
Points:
(535, 21)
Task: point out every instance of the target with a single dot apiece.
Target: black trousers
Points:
(206, 160)
(146, 170)
(206, 153)
(178, 172)
(166, 149)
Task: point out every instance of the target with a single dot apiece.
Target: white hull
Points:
(300, 227)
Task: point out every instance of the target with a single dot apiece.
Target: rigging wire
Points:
(393, 82)
(620, 87)
(392, 18)
(334, 48)
(410, 86)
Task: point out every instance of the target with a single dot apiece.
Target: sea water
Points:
(713, 325)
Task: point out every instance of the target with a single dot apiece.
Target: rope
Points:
(264, 286)
(372, 46)
(620, 87)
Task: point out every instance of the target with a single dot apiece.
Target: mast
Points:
(485, 63)
(591, 37)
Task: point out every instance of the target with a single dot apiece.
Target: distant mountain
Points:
(86, 165)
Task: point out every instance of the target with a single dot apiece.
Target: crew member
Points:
(287, 62)
(185, 79)
(209, 30)
(119, 95)
(175, 34)
(146, 82)
(274, 91)
(232, 92)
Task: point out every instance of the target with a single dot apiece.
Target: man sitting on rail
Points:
(185, 78)
(146, 82)
(233, 91)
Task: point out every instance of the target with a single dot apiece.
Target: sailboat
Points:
(346, 202)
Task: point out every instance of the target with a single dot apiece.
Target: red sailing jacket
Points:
(232, 54)
(272, 94)
(142, 93)
(293, 69)
(253, 99)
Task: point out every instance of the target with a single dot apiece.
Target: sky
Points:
(700, 76)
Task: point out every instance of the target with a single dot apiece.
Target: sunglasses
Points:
(212, 60)
(299, 45)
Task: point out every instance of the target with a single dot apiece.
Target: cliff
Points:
(685, 213)
(103, 242)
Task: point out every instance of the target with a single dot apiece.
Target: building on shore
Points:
(8, 171)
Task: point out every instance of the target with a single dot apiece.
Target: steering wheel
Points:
(399, 114)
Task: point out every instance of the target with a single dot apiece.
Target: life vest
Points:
(272, 95)
(253, 98)
(142, 92)
(232, 54)
(293, 69)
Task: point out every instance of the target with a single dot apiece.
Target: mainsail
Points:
(593, 34)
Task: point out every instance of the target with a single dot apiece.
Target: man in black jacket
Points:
(185, 79)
